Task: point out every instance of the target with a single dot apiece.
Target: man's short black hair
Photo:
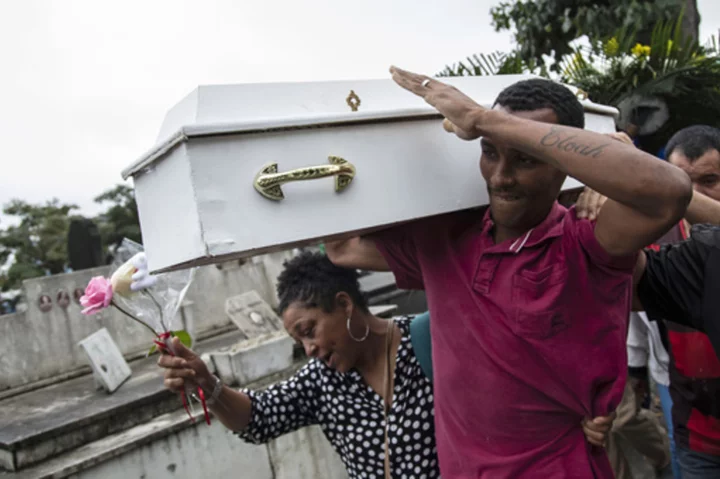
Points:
(536, 94)
(694, 141)
(314, 280)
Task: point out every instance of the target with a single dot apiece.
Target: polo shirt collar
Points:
(550, 227)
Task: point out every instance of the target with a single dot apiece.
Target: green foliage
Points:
(497, 63)
(181, 334)
(37, 245)
(38, 242)
(184, 337)
(671, 66)
(548, 27)
(121, 219)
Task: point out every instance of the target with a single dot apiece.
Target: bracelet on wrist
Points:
(217, 387)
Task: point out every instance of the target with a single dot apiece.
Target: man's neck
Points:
(501, 234)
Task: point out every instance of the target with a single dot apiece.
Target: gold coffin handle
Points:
(268, 181)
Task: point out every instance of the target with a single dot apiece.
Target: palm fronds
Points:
(685, 75)
(488, 64)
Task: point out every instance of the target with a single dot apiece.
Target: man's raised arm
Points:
(647, 196)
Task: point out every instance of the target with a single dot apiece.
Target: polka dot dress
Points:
(350, 414)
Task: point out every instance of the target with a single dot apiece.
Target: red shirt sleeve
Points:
(583, 232)
(399, 248)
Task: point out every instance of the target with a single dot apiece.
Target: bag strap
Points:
(388, 385)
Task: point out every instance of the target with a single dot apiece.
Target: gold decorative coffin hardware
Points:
(268, 181)
(353, 100)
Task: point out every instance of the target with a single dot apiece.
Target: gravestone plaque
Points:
(109, 367)
(45, 303)
(252, 315)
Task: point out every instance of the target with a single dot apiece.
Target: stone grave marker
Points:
(266, 349)
(253, 316)
(109, 366)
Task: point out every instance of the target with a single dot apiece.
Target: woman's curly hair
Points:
(314, 280)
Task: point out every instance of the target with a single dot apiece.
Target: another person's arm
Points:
(253, 415)
(680, 259)
(638, 350)
(703, 209)
(671, 282)
(356, 253)
(647, 196)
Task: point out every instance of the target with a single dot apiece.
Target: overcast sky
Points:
(85, 84)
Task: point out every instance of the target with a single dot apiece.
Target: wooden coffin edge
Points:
(215, 259)
(301, 123)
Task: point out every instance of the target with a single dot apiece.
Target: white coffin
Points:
(195, 188)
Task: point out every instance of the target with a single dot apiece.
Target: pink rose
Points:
(98, 295)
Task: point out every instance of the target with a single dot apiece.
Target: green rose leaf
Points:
(184, 337)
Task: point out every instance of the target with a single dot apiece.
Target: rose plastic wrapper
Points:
(156, 305)
(155, 300)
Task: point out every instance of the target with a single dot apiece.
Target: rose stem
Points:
(134, 318)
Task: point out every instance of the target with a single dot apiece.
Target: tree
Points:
(497, 63)
(38, 243)
(659, 87)
(121, 219)
(547, 27)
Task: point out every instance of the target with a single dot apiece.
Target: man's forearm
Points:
(703, 209)
(356, 253)
(619, 171)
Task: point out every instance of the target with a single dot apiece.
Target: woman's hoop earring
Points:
(359, 340)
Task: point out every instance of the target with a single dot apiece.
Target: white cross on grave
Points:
(109, 367)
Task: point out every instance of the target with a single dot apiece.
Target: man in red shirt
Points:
(678, 282)
(529, 303)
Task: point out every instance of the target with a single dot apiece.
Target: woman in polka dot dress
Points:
(363, 384)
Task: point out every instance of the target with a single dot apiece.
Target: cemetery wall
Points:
(216, 452)
(37, 345)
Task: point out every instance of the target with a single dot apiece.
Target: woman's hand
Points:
(596, 430)
(184, 366)
(460, 111)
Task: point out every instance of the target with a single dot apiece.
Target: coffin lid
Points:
(251, 108)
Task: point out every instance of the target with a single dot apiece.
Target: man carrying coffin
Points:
(529, 303)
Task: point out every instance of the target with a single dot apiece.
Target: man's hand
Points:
(596, 431)
(356, 253)
(589, 204)
(460, 111)
(622, 137)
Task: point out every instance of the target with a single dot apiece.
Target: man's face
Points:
(521, 189)
(704, 171)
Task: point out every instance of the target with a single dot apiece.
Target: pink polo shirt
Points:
(528, 338)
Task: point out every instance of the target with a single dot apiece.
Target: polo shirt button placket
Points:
(487, 265)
